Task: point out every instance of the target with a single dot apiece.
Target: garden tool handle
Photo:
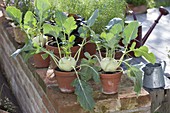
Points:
(133, 14)
(163, 11)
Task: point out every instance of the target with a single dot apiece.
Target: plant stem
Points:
(97, 58)
(98, 49)
(58, 46)
(122, 57)
(79, 51)
(52, 56)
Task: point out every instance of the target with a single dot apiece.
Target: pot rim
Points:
(117, 71)
(112, 75)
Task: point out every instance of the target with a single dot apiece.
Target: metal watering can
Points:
(154, 75)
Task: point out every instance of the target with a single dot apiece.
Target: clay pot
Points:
(110, 82)
(90, 48)
(39, 62)
(53, 49)
(118, 54)
(74, 49)
(64, 80)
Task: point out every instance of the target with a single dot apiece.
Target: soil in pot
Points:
(39, 62)
(110, 82)
(64, 80)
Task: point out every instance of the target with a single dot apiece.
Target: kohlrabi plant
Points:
(109, 41)
(62, 31)
(65, 62)
(31, 24)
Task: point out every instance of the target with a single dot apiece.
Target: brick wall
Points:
(27, 88)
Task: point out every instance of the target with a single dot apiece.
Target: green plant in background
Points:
(108, 9)
(158, 3)
(6, 104)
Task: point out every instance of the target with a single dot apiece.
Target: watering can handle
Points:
(164, 65)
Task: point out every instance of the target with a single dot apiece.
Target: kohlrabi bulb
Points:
(109, 64)
(67, 64)
(40, 40)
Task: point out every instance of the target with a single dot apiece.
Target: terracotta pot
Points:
(64, 80)
(74, 49)
(110, 82)
(39, 62)
(118, 54)
(90, 48)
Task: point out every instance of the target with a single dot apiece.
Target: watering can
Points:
(141, 41)
(154, 75)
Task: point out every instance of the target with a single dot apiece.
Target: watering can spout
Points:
(162, 11)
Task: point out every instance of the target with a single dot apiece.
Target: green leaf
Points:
(14, 13)
(116, 29)
(91, 74)
(103, 35)
(27, 55)
(109, 36)
(44, 56)
(42, 10)
(94, 35)
(29, 20)
(136, 74)
(42, 5)
(133, 46)
(69, 25)
(144, 51)
(112, 43)
(52, 30)
(88, 65)
(60, 18)
(130, 32)
(72, 38)
(113, 22)
(84, 94)
(28, 48)
(83, 31)
(87, 55)
(91, 20)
